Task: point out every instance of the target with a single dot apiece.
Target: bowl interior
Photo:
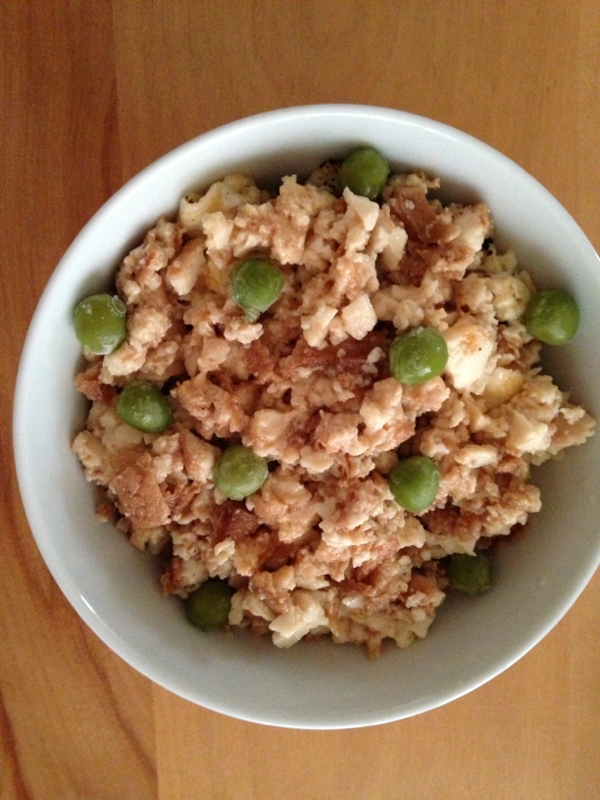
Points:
(314, 685)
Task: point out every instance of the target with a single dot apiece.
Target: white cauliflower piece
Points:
(394, 249)
(94, 456)
(304, 616)
(528, 435)
(316, 326)
(367, 211)
(223, 196)
(501, 385)
(359, 317)
(470, 345)
(475, 224)
(182, 273)
(284, 503)
(239, 330)
(510, 296)
(381, 404)
(215, 351)
(475, 455)
(218, 229)
(146, 328)
(268, 434)
(154, 540)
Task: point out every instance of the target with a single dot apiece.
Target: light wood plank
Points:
(92, 93)
(75, 721)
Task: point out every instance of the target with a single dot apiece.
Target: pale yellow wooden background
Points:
(91, 93)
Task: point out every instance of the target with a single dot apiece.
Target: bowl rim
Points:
(58, 569)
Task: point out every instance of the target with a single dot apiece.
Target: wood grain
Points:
(93, 92)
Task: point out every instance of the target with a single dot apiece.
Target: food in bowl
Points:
(326, 405)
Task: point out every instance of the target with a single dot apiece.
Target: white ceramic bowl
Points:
(115, 589)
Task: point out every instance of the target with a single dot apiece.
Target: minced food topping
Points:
(323, 547)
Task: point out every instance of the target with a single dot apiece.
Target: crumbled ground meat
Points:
(323, 547)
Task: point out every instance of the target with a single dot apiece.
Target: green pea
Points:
(255, 285)
(470, 574)
(414, 483)
(552, 316)
(239, 472)
(209, 605)
(142, 405)
(418, 355)
(100, 323)
(364, 172)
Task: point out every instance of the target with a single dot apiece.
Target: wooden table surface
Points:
(94, 91)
